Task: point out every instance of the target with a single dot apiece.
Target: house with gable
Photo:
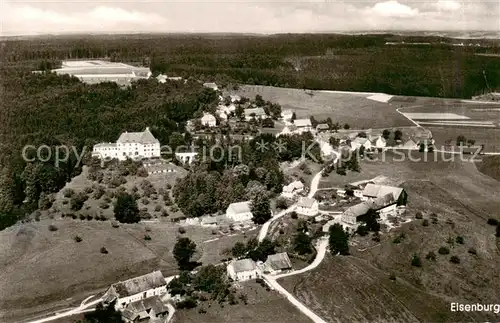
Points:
(293, 188)
(359, 141)
(377, 141)
(239, 211)
(303, 125)
(243, 269)
(372, 191)
(146, 310)
(136, 289)
(133, 145)
(277, 263)
(257, 113)
(208, 120)
(307, 206)
(211, 85)
(287, 115)
(322, 127)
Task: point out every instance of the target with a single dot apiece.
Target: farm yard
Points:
(352, 108)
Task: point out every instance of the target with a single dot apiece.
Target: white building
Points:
(240, 211)
(97, 71)
(307, 206)
(208, 120)
(257, 113)
(222, 115)
(241, 270)
(358, 142)
(146, 310)
(303, 125)
(235, 98)
(287, 115)
(293, 188)
(211, 85)
(136, 289)
(378, 142)
(134, 145)
(277, 263)
(372, 191)
(384, 205)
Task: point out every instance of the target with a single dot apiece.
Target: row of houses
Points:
(247, 269)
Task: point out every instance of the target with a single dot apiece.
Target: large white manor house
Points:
(133, 145)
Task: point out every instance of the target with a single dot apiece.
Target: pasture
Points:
(343, 107)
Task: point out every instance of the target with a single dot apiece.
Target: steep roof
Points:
(139, 284)
(302, 123)
(144, 137)
(323, 126)
(296, 185)
(239, 207)
(381, 202)
(257, 111)
(306, 202)
(357, 210)
(243, 265)
(373, 190)
(279, 261)
(141, 308)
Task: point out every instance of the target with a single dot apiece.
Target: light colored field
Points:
(435, 116)
(488, 137)
(492, 109)
(380, 97)
(462, 124)
(343, 107)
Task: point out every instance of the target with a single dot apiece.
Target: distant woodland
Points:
(48, 109)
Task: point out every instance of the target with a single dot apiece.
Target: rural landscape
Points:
(245, 178)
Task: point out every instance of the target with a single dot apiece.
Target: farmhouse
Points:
(136, 289)
(293, 188)
(235, 98)
(241, 270)
(322, 127)
(240, 211)
(98, 71)
(257, 113)
(287, 115)
(211, 85)
(372, 191)
(378, 142)
(134, 145)
(358, 142)
(303, 125)
(208, 120)
(150, 308)
(410, 144)
(277, 263)
(209, 221)
(287, 130)
(307, 206)
(186, 157)
(384, 205)
(222, 115)
(351, 215)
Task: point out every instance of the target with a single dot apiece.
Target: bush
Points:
(399, 238)
(147, 237)
(182, 230)
(82, 217)
(281, 203)
(419, 215)
(73, 216)
(392, 276)
(443, 251)
(472, 251)
(78, 239)
(99, 192)
(188, 303)
(425, 223)
(455, 259)
(78, 200)
(104, 250)
(157, 208)
(415, 261)
(431, 256)
(53, 228)
(88, 190)
(294, 215)
(492, 221)
(145, 201)
(459, 240)
(68, 192)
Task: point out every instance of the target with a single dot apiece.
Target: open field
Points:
(490, 166)
(352, 288)
(351, 108)
(489, 137)
(263, 307)
(39, 266)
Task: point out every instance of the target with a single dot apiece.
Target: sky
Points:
(21, 17)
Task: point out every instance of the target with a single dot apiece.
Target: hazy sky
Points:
(19, 17)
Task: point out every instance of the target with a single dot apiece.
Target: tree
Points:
(386, 134)
(302, 244)
(498, 230)
(334, 142)
(259, 101)
(261, 209)
(415, 261)
(362, 134)
(184, 249)
(461, 140)
(398, 134)
(347, 126)
(104, 314)
(294, 116)
(239, 112)
(125, 209)
(338, 240)
(239, 250)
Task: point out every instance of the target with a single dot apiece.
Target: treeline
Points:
(45, 109)
(332, 62)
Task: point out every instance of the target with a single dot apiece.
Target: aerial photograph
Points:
(324, 161)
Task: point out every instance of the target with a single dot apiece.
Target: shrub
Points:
(415, 261)
(443, 251)
(472, 251)
(419, 215)
(68, 192)
(294, 215)
(78, 239)
(104, 250)
(64, 202)
(88, 190)
(188, 303)
(147, 237)
(425, 223)
(399, 238)
(82, 217)
(431, 256)
(450, 241)
(145, 201)
(455, 259)
(89, 217)
(392, 276)
(99, 192)
(202, 310)
(182, 230)
(53, 228)
(73, 216)
(78, 200)
(103, 205)
(459, 240)
(157, 208)
(281, 203)
(492, 221)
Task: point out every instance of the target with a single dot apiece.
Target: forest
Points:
(47, 109)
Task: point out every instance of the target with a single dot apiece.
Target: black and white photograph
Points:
(324, 161)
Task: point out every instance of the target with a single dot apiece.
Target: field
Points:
(263, 306)
(487, 137)
(463, 199)
(353, 109)
(490, 166)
